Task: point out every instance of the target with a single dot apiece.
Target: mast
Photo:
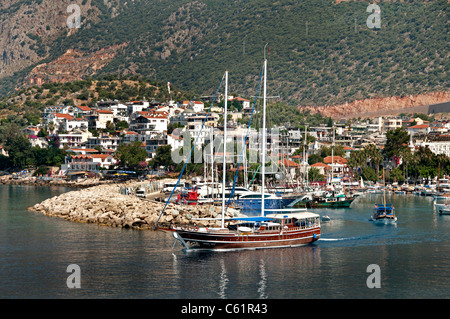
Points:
(384, 192)
(332, 159)
(305, 172)
(212, 164)
(439, 174)
(245, 162)
(263, 137)
(224, 173)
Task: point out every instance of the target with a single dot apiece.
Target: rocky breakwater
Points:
(104, 205)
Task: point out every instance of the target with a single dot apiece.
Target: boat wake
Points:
(334, 239)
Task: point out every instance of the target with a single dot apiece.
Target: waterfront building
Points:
(103, 141)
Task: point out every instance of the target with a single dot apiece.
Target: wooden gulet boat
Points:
(278, 228)
(282, 229)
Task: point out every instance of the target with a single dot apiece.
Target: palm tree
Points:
(357, 160)
(51, 127)
(373, 153)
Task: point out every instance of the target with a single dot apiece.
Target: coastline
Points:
(106, 205)
(89, 182)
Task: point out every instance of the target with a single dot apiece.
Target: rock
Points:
(105, 205)
(174, 212)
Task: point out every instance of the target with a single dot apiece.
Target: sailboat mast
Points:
(263, 138)
(332, 158)
(304, 160)
(384, 191)
(224, 173)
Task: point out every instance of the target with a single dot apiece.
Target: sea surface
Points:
(412, 257)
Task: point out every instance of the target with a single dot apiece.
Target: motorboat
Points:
(443, 208)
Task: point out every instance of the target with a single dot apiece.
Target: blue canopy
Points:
(387, 207)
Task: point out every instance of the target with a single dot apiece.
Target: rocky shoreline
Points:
(32, 180)
(105, 205)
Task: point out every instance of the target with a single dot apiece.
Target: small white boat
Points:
(443, 208)
(326, 218)
(441, 196)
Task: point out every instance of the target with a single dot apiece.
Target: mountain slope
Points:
(321, 52)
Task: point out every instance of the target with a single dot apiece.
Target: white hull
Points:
(443, 209)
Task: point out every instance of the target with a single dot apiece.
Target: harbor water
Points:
(412, 257)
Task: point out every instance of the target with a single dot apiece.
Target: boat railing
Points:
(254, 230)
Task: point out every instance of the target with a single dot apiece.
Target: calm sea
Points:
(413, 257)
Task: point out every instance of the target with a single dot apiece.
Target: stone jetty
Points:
(107, 205)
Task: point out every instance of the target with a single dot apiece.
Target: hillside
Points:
(29, 102)
(321, 52)
(26, 105)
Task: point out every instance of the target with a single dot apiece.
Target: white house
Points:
(100, 118)
(151, 121)
(58, 119)
(196, 106)
(129, 136)
(70, 125)
(38, 141)
(82, 110)
(441, 147)
(418, 129)
(103, 141)
(245, 103)
(104, 160)
(74, 139)
(137, 106)
(88, 163)
(62, 109)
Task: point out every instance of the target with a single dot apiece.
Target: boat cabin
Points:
(277, 222)
(384, 211)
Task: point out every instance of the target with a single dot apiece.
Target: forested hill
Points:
(321, 52)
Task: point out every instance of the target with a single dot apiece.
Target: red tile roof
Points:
(84, 108)
(419, 126)
(320, 164)
(336, 160)
(288, 163)
(65, 116)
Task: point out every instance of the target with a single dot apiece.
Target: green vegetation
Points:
(29, 102)
(421, 164)
(22, 154)
(337, 59)
(131, 155)
(321, 53)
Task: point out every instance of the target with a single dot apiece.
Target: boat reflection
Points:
(249, 273)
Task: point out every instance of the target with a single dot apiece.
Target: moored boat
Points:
(333, 201)
(443, 208)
